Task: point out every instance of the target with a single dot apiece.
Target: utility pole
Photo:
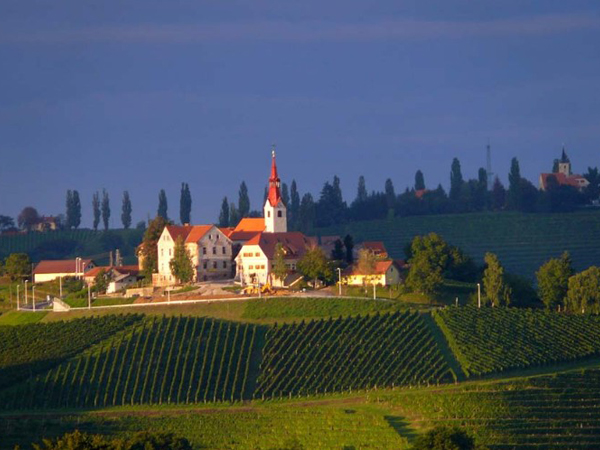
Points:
(26, 292)
(169, 295)
(33, 296)
(340, 281)
(479, 295)
(60, 287)
(89, 297)
(18, 304)
(374, 291)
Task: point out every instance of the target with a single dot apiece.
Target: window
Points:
(204, 250)
(169, 252)
(162, 252)
(214, 264)
(224, 264)
(224, 250)
(205, 264)
(210, 237)
(279, 213)
(250, 267)
(257, 254)
(268, 213)
(214, 250)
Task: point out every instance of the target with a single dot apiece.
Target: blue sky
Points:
(144, 95)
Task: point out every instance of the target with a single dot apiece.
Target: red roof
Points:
(420, 193)
(274, 195)
(95, 271)
(59, 266)
(247, 229)
(577, 181)
(179, 230)
(294, 243)
(197, 232)
(377, 247)
(227, 230)
(381, 267)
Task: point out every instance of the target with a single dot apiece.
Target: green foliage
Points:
(419, 181)
(306, 214)
(280, 270)
(243, 201)
(30, 349)
(294, 206)
(159, 361)
(162, 205)
(495, 339)
(126, 210)
(331, 207)
(456, 181)
(150, 245)
(73, 204)
(497, 292)
(101, 281)
(105, 207)
(553, 281)
(224, 214)
(445, 438)
(348, 354)
(28, 217)
(96, 209)
(181, 264)
(17, 266)
(584, 291)
(314, 265)
(429, 258)
(139, 441)
(6, 223)
(185, 204)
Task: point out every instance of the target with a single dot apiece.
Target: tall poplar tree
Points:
(126, 211)
(513, 196)
(456, 180)
(105, 209)
(76, 214)
(419, 181)
(185, 204)
(361, 191)
(497, 291)
(243, 201)
(162, 205)
(294, 207)
(224, 214)
(69, 210)
(96, 209)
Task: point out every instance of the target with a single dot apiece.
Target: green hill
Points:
(65, 244)
(523, 242)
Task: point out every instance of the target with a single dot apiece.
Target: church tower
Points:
(564, 164)
(275, 210)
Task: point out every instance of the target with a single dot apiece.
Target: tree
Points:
(96, 209)
(361, 192)
(338, 253)
(445, 438)
(28, 218)
(419, 181)
(224, 214)
(101, 281)
(390, 194)
(497, 292)
(456, 180)
(143, 440)
(584, 291)
(366, 265)
(73, 211)
(185, 204)
(162, 205)
(349, 245)
(430, 256)
(280, 270)
(285, 194)
(315, 266)
(306, 215)
(17, 266)
(592, 191)
(181, 264)
(294, 208)
(149, 245)
(513, 196)
(105, 209)
(553, 281)
(69, 213)
(498, 196)
(234, 215)
(6, 223)
(243, 201)
(331, 208)
(126, 211)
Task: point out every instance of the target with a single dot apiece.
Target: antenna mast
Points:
(490, 174)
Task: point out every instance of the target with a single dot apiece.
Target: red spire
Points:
(274, 182)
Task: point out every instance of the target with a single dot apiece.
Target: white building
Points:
(49, 270)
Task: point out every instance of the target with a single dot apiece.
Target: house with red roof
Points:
(377, 248)
(119, 277)
(563, 177)
(48, 270)
(209, 247)
(385, 273)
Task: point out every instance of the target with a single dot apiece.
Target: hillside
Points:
(67, 244)
(523, 242)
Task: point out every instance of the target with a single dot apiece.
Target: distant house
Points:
(377, 248)
(385, 273)
(49, 270)
(120, 277)
(564, 176)
(46, 223)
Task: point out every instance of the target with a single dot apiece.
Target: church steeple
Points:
(275, 210)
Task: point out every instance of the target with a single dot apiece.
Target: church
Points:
(256, 258)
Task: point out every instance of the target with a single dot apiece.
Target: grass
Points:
(523, 242)
(21, 318)
(108, 301)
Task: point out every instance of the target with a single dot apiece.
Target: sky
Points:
(145, 95)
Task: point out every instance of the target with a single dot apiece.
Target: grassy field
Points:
(523, 242)
(67, 244)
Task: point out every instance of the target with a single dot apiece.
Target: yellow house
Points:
(385, 273)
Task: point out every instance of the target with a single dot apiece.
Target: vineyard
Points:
(347, 354)
(496, 339)
(523, 242)
(556, 411)
(33, 348)
(162, 360)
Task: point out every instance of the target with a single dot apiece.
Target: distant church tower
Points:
(564, 164)
(275, 210)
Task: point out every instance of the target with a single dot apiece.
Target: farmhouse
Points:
(48, 270)
(385, 273)
(256, 258)
(120, 277)
(564, 176)
(210, 250)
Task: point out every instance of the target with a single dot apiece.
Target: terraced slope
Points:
(162, 360)
(347, 354)
(523, 242)
(495, 339)
(552, 412)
